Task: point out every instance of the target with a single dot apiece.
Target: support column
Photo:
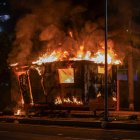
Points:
(118, 96)
(30, 88)
(130, 83)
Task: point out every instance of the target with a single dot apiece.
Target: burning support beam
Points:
(42, 84)
(21, 95)
(30, 89)
(23, 77)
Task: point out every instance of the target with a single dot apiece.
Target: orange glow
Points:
(20, 73)
(14, 64)
(71, 34)
(100, 58)
(101, 70)
(47, 58)
(81, 54)
(19, 70)
(22, 101)
(18, 112)
(74, 100)
(66, 75)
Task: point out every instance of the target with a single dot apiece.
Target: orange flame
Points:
(81, 54)
(14, 64)
(18, 112)
(74, 100)
(71, 34)
(47, 58)
(100, 58)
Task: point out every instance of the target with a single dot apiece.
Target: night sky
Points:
(119, 12)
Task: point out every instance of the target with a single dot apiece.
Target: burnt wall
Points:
(84, 86)
(36, 87)
(88, 81)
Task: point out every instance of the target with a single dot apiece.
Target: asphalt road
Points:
(13, 131)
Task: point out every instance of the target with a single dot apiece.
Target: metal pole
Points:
(106, 68)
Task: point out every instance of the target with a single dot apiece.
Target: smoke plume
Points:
(66, 25)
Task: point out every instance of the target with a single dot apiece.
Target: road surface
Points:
(15, 131)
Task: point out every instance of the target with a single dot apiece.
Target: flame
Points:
(114, 99)
(81, 54)
(47, 58)
(18, 112)
(18, 69)
(74, 100)
(18, 73)
(38, 70)
(71, 34)
(14, 64)
(100, 58)
(58, 101)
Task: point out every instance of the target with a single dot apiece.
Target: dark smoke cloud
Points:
(48, 25)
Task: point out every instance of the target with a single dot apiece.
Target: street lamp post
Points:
(106, 68)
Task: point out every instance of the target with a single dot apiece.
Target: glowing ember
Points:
(18, 112)
(58, 100)
(71, 34)
(81, 54)
(114, 99)
(18, 73)
(38, 70)
(14, 64)
(74, 100)
(22, 101)
(99, 94)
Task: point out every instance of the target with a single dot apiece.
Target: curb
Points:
(127, 125)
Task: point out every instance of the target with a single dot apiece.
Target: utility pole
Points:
(130, 70)
(106, 67)
(105, 119)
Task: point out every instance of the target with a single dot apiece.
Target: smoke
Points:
(23, 44)
(66, 25)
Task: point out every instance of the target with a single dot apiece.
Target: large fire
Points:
(66, 75)
(81, 54)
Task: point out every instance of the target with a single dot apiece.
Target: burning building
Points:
(57, 58)
(76, 83)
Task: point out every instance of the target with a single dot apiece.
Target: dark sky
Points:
(94, 8)
(26, 6)
(120, 12)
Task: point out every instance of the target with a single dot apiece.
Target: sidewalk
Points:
(117, 120)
